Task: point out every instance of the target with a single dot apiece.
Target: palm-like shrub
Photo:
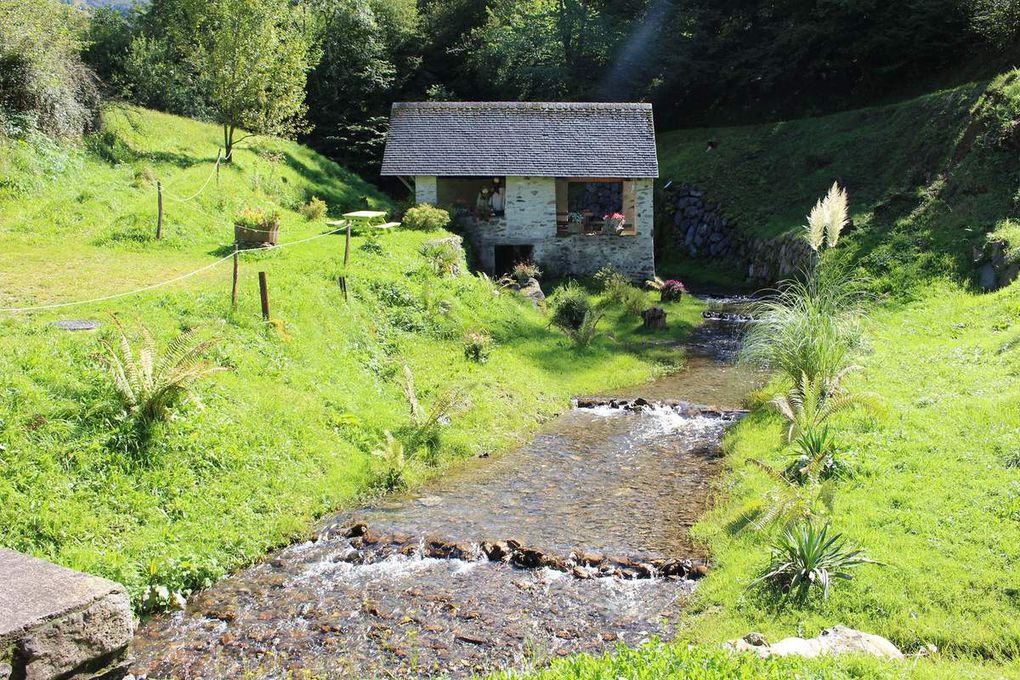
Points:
(787, 502)
(813, 401)
(815, 457)
(148, 384)
(570, 305)
(807, 557)
(393, 462)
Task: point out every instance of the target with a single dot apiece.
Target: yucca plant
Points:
(815, 456)
(149, 384)
(807, 557)
(814, 400)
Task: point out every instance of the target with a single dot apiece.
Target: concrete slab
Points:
(56, 622)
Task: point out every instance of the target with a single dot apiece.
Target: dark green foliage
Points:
(43, 82)
(570, 305)
(807, 558)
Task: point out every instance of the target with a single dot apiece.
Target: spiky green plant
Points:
(148, 384)
(815, 456)
(807, 557)
(586, 332)
(814, 400)
(828, 218)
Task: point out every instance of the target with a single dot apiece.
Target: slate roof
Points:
(531, 139)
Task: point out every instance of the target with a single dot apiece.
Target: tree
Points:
(544, 49)
(254, 64)
(42, 78)
(350, 90)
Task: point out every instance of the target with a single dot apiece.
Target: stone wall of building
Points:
(701, 230)
(426, 189)
(530, 220)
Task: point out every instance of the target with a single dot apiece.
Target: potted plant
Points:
(613, 222)
(670, 290)
(257, 226)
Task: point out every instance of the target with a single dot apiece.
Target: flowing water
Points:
(575, 542)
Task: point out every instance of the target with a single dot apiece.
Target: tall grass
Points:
(808, 329)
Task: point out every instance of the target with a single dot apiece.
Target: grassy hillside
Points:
(286, 434)
(933, 494)
(927, 178)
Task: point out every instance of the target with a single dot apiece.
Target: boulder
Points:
(533, 291)
(835, 640)
(55, 622)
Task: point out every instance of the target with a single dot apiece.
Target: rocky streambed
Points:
(574, 543)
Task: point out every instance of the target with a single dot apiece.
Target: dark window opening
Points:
(509, 255)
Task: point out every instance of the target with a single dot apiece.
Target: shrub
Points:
(42, 75)
(808, 405)
(586, 332)
(570, 305)
(372, 245)
(148, 385)
(526, 270)
(425, 217)
(807, 328)
(670, 290)
(477, 346)
(807, 557)
(444, 255)
(815, 456)
(617, 289)
(314, 209)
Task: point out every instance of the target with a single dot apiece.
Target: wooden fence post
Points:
(159, 210)
(264, 294)
(347, 245)
(233, 288)
(219, 152)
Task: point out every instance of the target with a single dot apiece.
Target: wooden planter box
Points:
(266, 234)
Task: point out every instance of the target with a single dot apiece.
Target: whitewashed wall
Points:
(531, 220)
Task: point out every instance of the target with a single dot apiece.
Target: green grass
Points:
(927, 178)
(687, 661)
(934, 494)
(286, 434)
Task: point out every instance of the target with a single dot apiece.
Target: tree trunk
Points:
(228, 142)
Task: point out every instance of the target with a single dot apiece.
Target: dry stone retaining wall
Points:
(700, 229)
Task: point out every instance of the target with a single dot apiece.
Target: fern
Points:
(149, 385)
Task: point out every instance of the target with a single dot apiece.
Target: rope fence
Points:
(161, 284)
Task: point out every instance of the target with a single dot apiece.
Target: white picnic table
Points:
(364, 218)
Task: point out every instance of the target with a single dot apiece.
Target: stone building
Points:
(565, 185)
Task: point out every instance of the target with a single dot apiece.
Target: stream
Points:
(573, 543)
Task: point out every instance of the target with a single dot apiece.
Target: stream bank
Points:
(573, 543)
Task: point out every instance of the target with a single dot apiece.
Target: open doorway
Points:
(506, 256)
